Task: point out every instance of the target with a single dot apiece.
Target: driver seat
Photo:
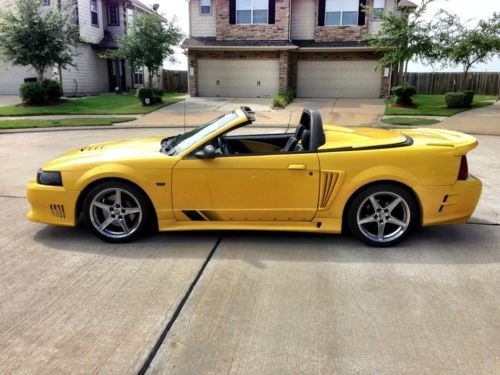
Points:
(305, 141)
(294, 139)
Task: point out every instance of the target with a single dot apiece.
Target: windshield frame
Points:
(185, 141)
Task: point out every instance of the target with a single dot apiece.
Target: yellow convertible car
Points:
(379, 184)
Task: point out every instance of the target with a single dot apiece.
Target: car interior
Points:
(308, 137)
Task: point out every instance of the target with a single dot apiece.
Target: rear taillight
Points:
(463, 173)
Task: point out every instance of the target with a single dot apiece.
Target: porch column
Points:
(284, 65)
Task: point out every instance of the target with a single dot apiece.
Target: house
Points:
(256, 48)
(99, 22)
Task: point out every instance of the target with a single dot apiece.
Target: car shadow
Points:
(447, 244)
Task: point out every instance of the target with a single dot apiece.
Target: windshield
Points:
(182, 142)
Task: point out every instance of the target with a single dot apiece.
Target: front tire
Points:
(383, 215)
(116, 211)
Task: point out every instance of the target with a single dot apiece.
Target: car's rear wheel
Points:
(116, 211)
(383, 215)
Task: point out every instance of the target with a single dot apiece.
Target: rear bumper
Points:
(52, 204)
(452, 204)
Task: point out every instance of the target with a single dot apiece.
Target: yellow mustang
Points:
(379, 184)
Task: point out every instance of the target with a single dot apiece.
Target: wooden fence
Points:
(441, 83)
(175, 80)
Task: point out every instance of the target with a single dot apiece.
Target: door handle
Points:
(296, 166)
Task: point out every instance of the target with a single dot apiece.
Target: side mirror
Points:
(208, 152)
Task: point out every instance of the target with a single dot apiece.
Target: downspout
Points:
(290, 21)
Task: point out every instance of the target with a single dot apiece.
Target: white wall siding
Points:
(88, 32)
(303, 19)
(89, 77)
(11, 77)
(375, 25)
(202, 25)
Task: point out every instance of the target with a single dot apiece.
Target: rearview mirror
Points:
(208, 152)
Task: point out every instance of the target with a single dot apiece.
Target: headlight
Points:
(49, 178)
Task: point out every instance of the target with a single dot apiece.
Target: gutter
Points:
(242, 48)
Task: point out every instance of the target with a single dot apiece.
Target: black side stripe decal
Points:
(193, 215)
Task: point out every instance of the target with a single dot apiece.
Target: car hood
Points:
(108, 152)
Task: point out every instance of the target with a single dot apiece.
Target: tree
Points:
(148, 43)
(460, 45)
(41, 39)
(403, 36)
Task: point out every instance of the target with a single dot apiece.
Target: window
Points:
(252, 11)
(341, 12)
(378, 8)
(46, 2)
(139, 77)
(205, 6)
(113, 15)
(94, 13)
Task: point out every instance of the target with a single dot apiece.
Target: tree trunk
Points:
(405, 75)
(465, 85)
(39, 75)
(401, 72)
(150, 79)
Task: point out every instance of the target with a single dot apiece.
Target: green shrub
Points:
(455, 99)
(33, 93)
(283, 99)
(404, 93)
(468, 97)
(53, 89)
(155, 95)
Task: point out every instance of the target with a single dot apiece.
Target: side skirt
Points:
(319, 225)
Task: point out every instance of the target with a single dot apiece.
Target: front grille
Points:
(58, 210)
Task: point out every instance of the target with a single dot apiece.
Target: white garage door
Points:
(338, 79)
(238, 77)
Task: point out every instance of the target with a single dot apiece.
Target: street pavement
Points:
(242, 302)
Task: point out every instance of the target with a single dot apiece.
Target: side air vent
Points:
(92, 148)
(58, 210)
(329, 179)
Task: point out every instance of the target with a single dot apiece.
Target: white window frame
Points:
(379, 10)
(117, 13)
(96, 12)
(209, 6)
(251, 14)
(341, 14)
(139, 73)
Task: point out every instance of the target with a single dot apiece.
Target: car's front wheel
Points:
(116, 211)
(383, 215)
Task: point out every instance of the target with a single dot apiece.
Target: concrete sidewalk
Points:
(485, 121)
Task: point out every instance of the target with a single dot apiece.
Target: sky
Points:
(472, 10)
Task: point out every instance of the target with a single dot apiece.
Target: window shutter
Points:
(232, 12)
(362, 15)
(321, 12)
(272, 11)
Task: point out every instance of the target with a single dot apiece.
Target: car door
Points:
(272, 187)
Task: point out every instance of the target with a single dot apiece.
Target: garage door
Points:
(238, 77)
(338, 79)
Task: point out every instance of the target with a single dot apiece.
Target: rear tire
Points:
(382, 215)
(116, 211)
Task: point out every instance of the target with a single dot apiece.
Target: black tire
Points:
(132, 212)
(367, 219)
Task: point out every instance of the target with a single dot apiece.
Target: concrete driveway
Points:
(196, 111)
(9, 100)
(239, 302)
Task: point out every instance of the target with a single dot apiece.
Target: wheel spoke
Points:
(102, 206)
(124, 226)
(381, 228)
(374, 203)
(131, 210)
(366, 220)
(396, 221)
(106, 222)
(393, 204)
(118, 197)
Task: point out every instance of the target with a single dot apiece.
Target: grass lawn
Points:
(434, 105)
(125, 104)
(409, 121)
(22, 124)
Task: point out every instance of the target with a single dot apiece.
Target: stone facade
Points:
(277, 31)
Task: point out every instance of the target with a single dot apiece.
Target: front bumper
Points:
(52, 204)
(449, 204)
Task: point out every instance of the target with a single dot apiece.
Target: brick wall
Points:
(276, 31)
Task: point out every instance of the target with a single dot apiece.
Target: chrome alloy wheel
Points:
(115, 213)
(383, 216)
